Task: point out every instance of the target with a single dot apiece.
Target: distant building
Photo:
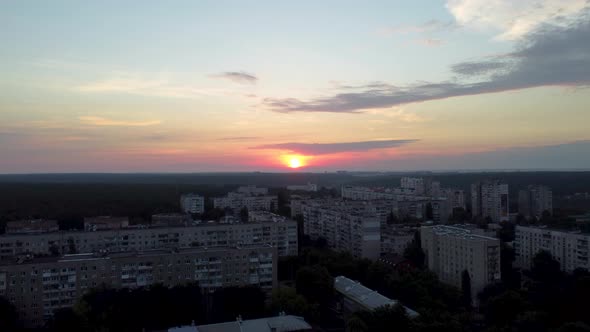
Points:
(414, 184)
(490, 199)
(367, 194)
(105, 222)
(534, 200)
(192, 203)
(253, 202)
(252, 190)
(353, 297)
(455, 197)
(395, 240)
(31, 226)
(570, 249)
(450, 250)
(170, 219)
(304, 187)
(47, 284)
(276, 231)
(281, 323)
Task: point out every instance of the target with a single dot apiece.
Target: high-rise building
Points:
(534, 200)
(253, 202)
(39, 286)
(352, 226)
(192, 203)
(414, 184)
(451, 250)
(455, 197)
(570, 249)
(490, 199)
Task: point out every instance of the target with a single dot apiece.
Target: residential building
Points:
(105, 222)
(352, 226)
(490, 199)
(281, 323)
(304, 187)
(534, 200)
(395, 240)
(280, 233)
(170, 219)
(353, 297)
(31, 226)
(570, 249)
(455, 197)
(192, 203)
(450, 250)
(39, 286)
(252, 190)
(238, 200)
(414, 184)
(367, 194)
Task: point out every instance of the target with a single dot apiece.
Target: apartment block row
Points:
(570, 249)
(269, 229)
(451, 250)
(238, 200)
(39, 286)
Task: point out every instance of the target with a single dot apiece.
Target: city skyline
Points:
(229, 86)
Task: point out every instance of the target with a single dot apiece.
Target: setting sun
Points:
(295, 162)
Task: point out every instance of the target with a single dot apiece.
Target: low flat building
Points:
(282, 323)
(192, 203)
(355, 297)
(170, 219)
(39, 286)
(304, 187)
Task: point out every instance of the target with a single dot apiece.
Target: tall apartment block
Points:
(253, 202)
(191, 203)
(490, 199)
(570, 249)
(450, 250)
(39, 286)
(455, 197)
(534, 200)
(269, 229)
(346, 226)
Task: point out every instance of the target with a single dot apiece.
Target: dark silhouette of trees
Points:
(414, 252)
(466, 288)
(8, 316)
(244, 214)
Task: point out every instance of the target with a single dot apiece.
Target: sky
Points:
(201, 86)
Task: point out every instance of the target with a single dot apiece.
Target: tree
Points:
(8, 316)
(466, 288)
(414, 252)
(545, 268)
(71, 246)
(504, 308)
(356, 324)
(286, 300)
(315, 283)
(244, 214)
(392, 218)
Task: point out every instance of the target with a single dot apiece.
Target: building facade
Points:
(38, 287)
(347, 226)
(192, 203)
(32, 226)
(490, 199)
(534, 200)
(570, 249)
(450, 250)
(278, 232)
(238, 200)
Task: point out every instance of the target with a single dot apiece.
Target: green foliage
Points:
(231, 302)
(414, 252)
(466, 288)
(244, 214)
(316, 284)
(386, 318)
(8, 316)
(286, 299)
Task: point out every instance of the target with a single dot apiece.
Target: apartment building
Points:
(39, 286)
(105, 222)
(303, 187)
(278, 232)
(31, 226)
(534, 200)
(450, 250)
(455, 197)
(346, 226)
(570, 249)
(252, 190)
(414, 184)
(490, 199)
(192, 203)
(238, 200)
(395, 240)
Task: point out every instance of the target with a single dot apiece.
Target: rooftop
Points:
(364, 296)
(286, 323)
(459, 231)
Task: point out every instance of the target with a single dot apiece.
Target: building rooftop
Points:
(286, 323)
(461, 231)
(364, 296)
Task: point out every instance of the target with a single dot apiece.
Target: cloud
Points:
(237, 77)
(431, 42)
(239, 138)
(430, 26)
(98, 121)
(329, 148)
(514, 19)
(551, 56)
(145, 86)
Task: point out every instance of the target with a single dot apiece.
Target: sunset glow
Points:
(294, 161)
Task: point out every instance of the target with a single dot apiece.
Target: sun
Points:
(295, 162)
